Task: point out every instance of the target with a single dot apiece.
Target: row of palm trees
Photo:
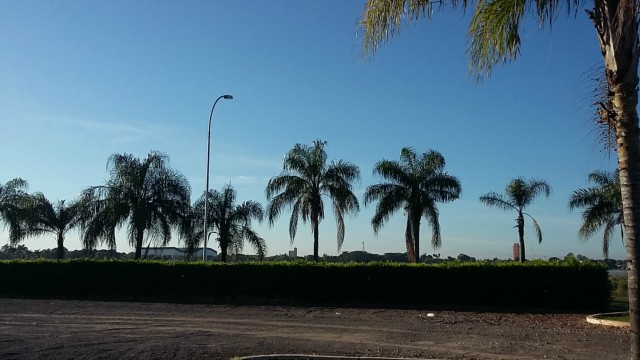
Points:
(152, 200)
(146, 196)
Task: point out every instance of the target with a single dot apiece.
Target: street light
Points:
(206, 190)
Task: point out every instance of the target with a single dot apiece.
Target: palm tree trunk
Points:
(629, 165)
(617, 28)
(224, 248)
(314, 228)
(416, 237)
(628, 144)
(60, 252)
(520, 221)
(408, 235)
(139, 238)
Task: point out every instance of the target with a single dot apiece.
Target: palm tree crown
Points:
(602, 204)
(519, 194)
(416, 184)
(12, 194)
(232, 221)
(146, 194)
(306, 178)
(42, 217)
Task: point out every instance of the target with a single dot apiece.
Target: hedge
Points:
(535, 284)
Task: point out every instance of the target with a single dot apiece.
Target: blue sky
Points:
(81, 80)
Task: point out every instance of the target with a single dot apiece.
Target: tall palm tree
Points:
(603, 206)
(147, 195)
(519, 194)
(416, 184)
(495, 39)
(12, 194)
(231, 221)
(43, 217)
(305, 179)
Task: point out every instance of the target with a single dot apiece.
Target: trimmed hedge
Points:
(535, 284)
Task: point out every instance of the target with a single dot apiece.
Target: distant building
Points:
(516, 252)
(175, 254)
(293, 253)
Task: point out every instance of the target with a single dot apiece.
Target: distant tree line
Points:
(8, 252)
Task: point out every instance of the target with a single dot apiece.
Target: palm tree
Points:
(416, 184)
(519, 194)
(232, 221)
(147, 195)
(603, 206)
(42, 217)
(305, 179)
(495, 39)
(12, 194)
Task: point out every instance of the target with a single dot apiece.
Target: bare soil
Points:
(59, 329)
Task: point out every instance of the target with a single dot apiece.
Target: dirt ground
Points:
(57, 329)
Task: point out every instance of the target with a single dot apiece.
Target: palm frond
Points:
(494, 33)
(539, 187)
(391, 198)
(536, 227)
(258, 243)
(431, 214)
(584, 197)
(392, 171)
(442, 187)
(293, 221)
(382, 19)
(497, 200)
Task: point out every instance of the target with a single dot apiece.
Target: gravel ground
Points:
(59, 329)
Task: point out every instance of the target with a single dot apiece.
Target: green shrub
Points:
(619, 286)
(581, 286)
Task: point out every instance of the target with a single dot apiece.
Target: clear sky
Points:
(81, 80)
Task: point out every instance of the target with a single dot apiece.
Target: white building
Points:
(175, 254)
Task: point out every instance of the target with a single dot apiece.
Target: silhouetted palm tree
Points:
(232, 221)
(42, 217)
(519, 194)
(147, 195)
(416, 184)
(12, 194)
(603, 206)
(306, 178)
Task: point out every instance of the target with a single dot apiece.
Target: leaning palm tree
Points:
(603, 207)
(12, 194)
(147, 195)
(231, 221)
(519, 194)
(495, 39)
(416, 184)
(306, 178)
(43, 217)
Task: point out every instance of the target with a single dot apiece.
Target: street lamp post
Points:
(206, 190)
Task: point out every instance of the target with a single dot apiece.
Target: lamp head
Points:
(228, 97)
